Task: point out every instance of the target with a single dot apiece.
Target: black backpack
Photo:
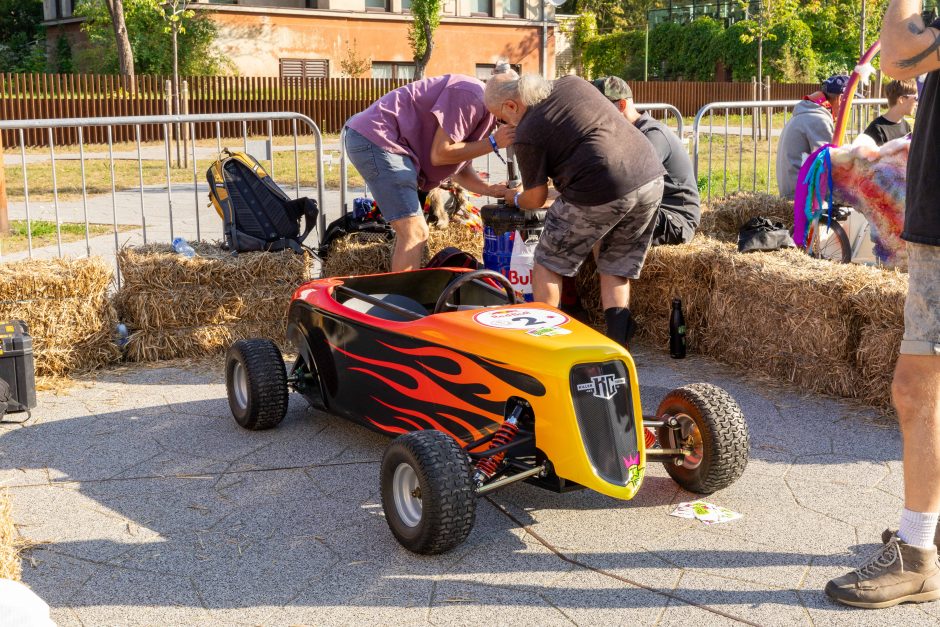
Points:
(348, 224)
(256, 213)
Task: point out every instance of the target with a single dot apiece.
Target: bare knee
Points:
(411, 231)
(915, 388)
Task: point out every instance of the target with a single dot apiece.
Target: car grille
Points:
(604, 408)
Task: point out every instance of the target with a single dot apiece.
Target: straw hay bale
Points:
(686, 272)
(724, 216)
(879, 304)
(154, 344)
(9, 542)
(370, 253)
(787, 315)
(177, 307)
(65, 303)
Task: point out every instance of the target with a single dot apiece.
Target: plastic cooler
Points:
(501, 223)
(16, 364)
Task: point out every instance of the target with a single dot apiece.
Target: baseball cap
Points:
(613, 88)
(835, 84)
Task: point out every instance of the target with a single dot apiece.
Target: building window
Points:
(481, 8)
(305, 68)
(376, 5)
(391, 69)
(512, 8)
(485, 70)
(406, 6)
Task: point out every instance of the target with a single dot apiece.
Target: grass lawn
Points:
(44, 234)
(127, 175)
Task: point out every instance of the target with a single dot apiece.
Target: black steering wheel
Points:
(476, 276)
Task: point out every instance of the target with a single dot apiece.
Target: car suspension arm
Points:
(525, 474)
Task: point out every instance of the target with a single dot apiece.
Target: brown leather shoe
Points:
(897, 573)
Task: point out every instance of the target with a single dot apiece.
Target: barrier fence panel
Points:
(734, 144)
(135, 194)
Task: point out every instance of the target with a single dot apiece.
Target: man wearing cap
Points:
(680, 211)
(810, 128)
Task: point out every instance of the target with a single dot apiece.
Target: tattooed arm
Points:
(908, 47)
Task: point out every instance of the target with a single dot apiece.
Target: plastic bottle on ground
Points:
(182, 247)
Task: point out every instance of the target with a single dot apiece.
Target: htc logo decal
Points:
(604, 386)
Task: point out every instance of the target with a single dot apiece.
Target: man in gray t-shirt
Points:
(680, 211)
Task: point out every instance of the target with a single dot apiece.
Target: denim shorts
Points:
(922, 307)
(392, 178)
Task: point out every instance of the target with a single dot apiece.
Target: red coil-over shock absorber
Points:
(506, 433)
(650, 436)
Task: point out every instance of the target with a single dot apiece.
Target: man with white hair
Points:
(609, 179)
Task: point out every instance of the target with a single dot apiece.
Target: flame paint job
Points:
(447, 372)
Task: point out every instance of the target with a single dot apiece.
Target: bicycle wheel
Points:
(828, 241)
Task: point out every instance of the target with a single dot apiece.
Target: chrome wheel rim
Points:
(240, 385)
(691, 438)
(407, 494)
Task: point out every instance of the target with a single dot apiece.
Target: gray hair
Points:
(529, 89)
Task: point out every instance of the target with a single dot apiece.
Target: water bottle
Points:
(676, 331)
(182, 247)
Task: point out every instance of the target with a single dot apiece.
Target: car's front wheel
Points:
(256, 381)
(711, 427)
(427, 494)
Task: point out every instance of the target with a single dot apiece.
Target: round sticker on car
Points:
(518, 318)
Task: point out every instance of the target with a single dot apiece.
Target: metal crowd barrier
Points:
(754, 131)
(173, 222)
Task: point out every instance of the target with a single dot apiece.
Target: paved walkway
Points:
(156, 509)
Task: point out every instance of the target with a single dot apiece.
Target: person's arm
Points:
(533, 198)
(819, 132)
(446, 151)
(908, 47)
(660, 143)
(469, 179)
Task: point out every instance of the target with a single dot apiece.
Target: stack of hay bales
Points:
(723, 218)
(177, 307)
(368, 253)
(9, 549)
(66, 304)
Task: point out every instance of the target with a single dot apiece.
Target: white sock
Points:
(918, 529)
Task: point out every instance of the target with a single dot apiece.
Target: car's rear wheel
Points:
(256, 381)
(427, 493)
(712, 426)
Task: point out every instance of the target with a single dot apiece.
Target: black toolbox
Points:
(16, 364)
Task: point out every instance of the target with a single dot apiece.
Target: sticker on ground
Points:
(708, 513)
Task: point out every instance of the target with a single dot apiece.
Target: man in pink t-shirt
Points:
(415, 137)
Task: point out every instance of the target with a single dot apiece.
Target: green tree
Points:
(22, 36)
(700, 49)
(616, 54)
(790, 54)
(150, 41)
(426, 17)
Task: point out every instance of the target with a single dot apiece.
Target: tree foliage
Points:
(22, 36)
(151, 40)
(426, 17)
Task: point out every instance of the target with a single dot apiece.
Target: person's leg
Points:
(393, 180)
(620, 256)
(410, 237)
(546, 285)
(907, 569)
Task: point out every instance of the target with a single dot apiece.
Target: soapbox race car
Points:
(480, 391)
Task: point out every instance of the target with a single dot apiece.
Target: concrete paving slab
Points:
(158, 509)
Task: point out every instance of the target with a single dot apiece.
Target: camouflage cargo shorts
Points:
(623, 227)
(922, 307)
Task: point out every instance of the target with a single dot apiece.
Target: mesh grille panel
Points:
(604, 407)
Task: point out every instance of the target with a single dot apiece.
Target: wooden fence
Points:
(328, 102)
